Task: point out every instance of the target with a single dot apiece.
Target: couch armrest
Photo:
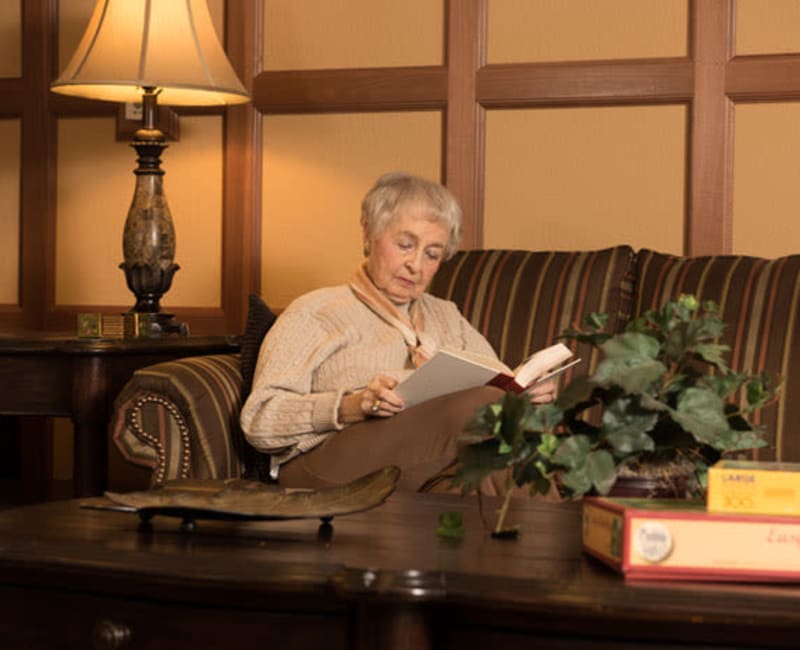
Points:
(180, 419)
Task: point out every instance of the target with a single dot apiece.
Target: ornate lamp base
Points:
(148, 240)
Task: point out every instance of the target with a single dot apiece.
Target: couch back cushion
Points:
(522, 300)
(259, 319)
(759, 303)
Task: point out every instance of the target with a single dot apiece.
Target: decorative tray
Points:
(242, 500)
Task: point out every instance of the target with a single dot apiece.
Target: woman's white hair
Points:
(396, 192)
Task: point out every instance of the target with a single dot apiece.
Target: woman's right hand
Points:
(378, 399)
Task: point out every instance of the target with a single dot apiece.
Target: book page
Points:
(446, 372)
(540, 362)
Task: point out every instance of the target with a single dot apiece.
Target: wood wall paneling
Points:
(37, 182)
(241, 233)
(708, 226)
(710, 80)
(465, 122)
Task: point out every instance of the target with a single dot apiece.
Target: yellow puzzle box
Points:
(755, 487)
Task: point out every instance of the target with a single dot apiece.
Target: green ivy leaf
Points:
(515, 408)
(726, 384)
(576, 481)
(578, 391)
(529, 472)
(596, 320)
(477, 461)
(760, 390)
(572, 451)
(482, 423)
(601, 470)
(632, 374)
(701, 412)
(631, 345)
(675, 343)
(732, 440)
(543, 417)
(548, 443)
(626, 426)
(687, 301)
(713, 353)
(624, 416)
(650, 403)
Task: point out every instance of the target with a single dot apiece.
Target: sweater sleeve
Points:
(474, 341)
(282, 413)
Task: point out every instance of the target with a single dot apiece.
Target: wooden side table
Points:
(80, 378)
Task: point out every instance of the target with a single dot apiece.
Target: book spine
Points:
(602, 534)
(505, 382)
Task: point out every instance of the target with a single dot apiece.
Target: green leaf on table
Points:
(451, 525)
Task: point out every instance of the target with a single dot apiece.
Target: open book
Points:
(449, 371)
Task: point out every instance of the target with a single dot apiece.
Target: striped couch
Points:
(180, 418)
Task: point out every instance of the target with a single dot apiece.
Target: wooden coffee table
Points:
(382, 579)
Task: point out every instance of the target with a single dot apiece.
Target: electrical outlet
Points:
(133, 111)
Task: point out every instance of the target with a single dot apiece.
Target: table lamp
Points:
(151, 51)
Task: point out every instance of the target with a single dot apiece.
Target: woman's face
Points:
(404, 258)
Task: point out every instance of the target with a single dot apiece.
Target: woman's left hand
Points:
(544, 393)
(377, 399)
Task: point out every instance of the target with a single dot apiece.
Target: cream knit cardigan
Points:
(325, 344)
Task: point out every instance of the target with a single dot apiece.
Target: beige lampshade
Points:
(170, 45)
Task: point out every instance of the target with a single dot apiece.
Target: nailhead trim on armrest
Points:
(134, 421)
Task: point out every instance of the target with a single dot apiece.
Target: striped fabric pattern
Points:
(181, 419)
(522, 300)
(759, 303)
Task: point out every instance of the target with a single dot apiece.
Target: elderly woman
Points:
(323, 403)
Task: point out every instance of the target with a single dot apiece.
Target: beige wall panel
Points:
(193, 184)
(573, 30)
(94, 190)
(766, 196)
(11, 38)
(316, 170)
(9, 211)
(300, 34)
(585, 178)
(95, 187)
(767, 27)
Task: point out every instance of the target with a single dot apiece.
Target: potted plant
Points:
(662, 399)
